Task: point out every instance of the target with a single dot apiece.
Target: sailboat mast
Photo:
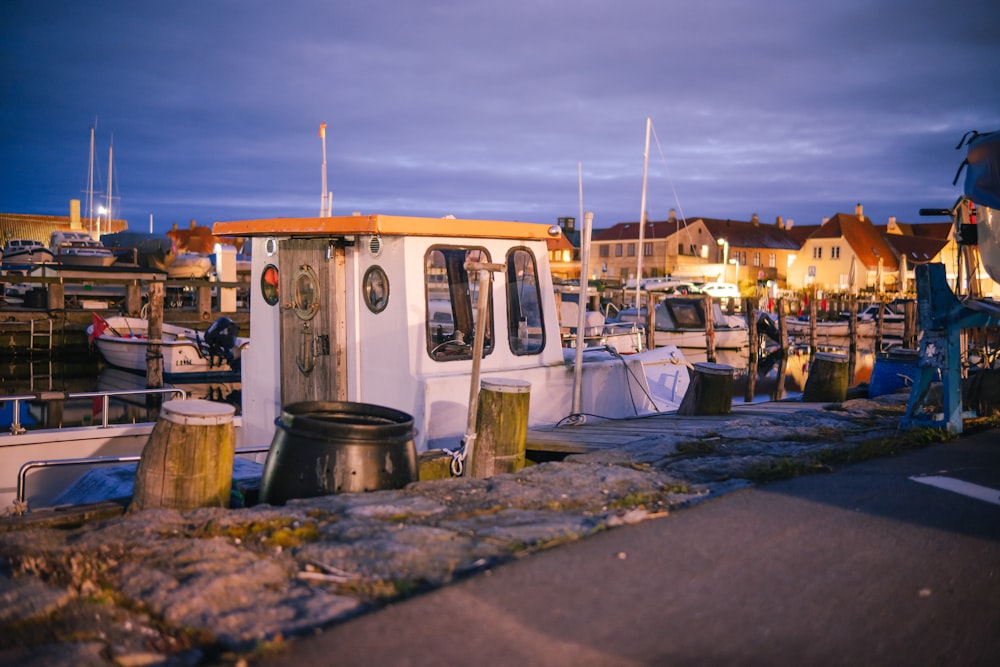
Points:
(111, 149)
(90, 184)
(642, 220)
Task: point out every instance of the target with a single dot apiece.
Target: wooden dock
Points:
(597, 434)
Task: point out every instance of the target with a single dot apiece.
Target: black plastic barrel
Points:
(321, 448)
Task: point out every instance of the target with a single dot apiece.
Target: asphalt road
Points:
(865, 566)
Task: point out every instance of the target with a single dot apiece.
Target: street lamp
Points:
(725, 255)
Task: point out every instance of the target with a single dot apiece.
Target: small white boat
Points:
(190, 265)
(799, 328)
(78, 248)
(187, 354)
(26, 251)
(680, 321)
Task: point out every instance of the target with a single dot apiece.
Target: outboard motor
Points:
(220, 341)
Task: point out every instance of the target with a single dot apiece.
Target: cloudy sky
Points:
(486, 109)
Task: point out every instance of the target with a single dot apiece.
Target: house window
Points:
(817, 252)
(647, 249)
(631, 250)
(604, 250)
(772, 260)
(680, 248)
(835, 252)
(756, 259)
(743, 257)
(618, 250)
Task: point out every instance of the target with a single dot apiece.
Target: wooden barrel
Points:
(710, 391)
(828, 379)
(501, 427)
(188, 460)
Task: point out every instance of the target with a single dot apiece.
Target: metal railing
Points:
(16, 428)
(22, 473)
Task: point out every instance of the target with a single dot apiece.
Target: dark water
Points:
(54, 381)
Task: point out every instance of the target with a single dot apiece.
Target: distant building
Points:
(40, 227)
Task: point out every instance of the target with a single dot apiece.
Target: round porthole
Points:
(376, 289)
(306, 288)
(269, 284)
(270, 246)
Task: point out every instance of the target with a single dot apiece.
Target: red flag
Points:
(97, 328)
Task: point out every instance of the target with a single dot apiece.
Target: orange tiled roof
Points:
(865, 240)
(200, 239)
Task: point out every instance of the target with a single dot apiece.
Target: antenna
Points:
(326, 199)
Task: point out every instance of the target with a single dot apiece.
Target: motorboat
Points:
(26, 251)
(799, 327)
(625, 337)
(78, 248)
(190, 265)
(188, 355)
(681, 321)
(145, 249)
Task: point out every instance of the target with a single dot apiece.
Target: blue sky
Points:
(485, 109)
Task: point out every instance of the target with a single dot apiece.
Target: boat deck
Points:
(596, 434)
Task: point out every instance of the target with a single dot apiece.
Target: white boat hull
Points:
(124, 344)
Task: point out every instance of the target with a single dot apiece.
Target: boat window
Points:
(524, 312)
(452, 303)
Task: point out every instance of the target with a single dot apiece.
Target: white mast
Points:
(90, 183)
(325, 206)
(642, 219)
(111, 149)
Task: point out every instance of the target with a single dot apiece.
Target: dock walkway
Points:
(596, 433)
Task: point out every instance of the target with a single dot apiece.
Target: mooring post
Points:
(827, 381)
(154, 355)
(707, 305)
(710, 391)
(751, 387)
(501, 427)
(188, 460)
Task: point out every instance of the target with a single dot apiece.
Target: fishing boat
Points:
(354, 322)
(625, 337)
(188, 355)
(25, 252)
(78, 248)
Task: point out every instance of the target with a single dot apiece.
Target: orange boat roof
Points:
(385, 225)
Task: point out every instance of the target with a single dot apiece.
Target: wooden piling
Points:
(752, 354)
(501, 427)
(154, 355)
(710, 391)
(650, 324)
(879, 318)
(779, 386)
(910, 325)
(709, 328)
(852, 349)
(812, 326)
(188, 460)
(827, 381)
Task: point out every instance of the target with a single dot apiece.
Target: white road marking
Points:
(984, 493)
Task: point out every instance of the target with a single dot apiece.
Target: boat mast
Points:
(90, 184)
(111, 149)
(642, 219)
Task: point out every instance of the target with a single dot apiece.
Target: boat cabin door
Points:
(313, 320)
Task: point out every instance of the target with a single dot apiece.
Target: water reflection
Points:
(793, 378)
(51, 380)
